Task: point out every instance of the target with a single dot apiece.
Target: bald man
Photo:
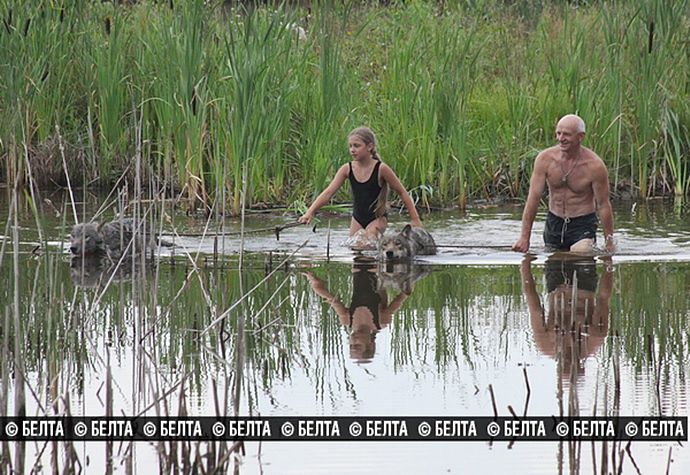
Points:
(578, 185)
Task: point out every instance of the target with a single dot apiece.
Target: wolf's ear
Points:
(99, 226)
(406, 230)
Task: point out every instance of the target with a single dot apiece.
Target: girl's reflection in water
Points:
(369, 310)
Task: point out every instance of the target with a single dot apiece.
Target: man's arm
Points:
(600, 186)
(536, 188)
(600, 320)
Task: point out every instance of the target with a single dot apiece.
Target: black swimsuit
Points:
(364, 294)
(364, 196)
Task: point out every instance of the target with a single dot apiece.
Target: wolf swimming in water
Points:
(407, 244)
(113, 239)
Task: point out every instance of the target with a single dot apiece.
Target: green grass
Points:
(461, 95)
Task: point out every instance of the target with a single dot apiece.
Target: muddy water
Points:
(328, 333)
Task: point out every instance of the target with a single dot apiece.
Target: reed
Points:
(675, 149)
(108, 48)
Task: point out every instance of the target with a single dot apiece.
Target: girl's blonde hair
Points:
(368, 137)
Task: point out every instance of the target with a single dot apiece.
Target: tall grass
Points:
(258, 85)
(461, 102)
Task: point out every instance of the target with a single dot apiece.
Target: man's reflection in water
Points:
(575, 322)
(369, 310)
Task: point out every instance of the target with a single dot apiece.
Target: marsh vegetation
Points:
(461, 94)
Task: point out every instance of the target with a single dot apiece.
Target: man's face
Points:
(567, 136)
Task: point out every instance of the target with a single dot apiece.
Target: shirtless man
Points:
(578, 190)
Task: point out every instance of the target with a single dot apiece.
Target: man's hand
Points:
(521, 245)
(610, 244)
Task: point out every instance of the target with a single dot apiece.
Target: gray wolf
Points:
(113, 239)
(407, 244)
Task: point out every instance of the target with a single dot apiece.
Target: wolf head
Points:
(407, 244)
(86, 240)
(399, 246)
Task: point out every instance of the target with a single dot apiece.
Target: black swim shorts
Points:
(560, 233)
(560, 272)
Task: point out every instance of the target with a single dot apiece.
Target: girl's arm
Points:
(326, 195)
(319, 288)
(389, 176)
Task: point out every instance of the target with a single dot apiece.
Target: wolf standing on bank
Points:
(578, 191)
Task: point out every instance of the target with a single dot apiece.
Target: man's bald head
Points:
(573, 121)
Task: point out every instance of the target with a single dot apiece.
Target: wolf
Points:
(410, 242)
(112, 239)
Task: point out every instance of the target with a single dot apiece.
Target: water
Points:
(158, 340)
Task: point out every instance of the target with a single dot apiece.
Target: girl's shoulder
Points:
(385, 168)
(344, 169)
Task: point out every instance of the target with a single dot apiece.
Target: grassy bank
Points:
(461, 94)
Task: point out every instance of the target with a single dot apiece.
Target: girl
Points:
(369, 179)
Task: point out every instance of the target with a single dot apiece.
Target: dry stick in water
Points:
(239, 344)
(268, 301)
(4, 381)
(19, 383)
(474, 246)
(244, 196)
(668, 462)
(328, 242)
(64, 166)
(529, 392)
(627, 449)
(244, 296)
(493, 400)
(281, 227)
(108, 409)
(274, 229)
(5, 353)
(33, 194)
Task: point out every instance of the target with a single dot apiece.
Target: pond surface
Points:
(309, 327)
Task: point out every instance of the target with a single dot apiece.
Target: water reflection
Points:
(370, 310)
(92, 272)
(575, 321)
